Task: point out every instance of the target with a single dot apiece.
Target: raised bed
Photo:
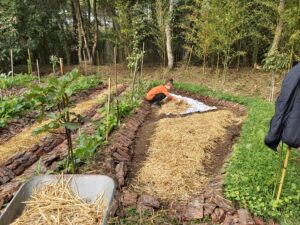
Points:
(49, 151)
(120, 162)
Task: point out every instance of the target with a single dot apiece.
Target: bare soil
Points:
(142, 142)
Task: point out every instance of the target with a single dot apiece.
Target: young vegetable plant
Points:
(60, 90)
(54, 61)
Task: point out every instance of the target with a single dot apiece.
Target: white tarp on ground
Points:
(195, 106)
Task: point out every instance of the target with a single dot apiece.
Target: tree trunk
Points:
(79, 50)
(255, 51)
(169, 37)
(279, 27)
(82, 30)
(89, 12)
(63, 39)
(94, 52)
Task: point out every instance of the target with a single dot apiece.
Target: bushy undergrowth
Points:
(253, 167)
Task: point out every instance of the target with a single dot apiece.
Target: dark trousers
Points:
(158, 98)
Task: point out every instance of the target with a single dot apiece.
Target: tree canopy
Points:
(212, 32)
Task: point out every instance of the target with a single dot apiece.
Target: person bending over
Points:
(157, 94)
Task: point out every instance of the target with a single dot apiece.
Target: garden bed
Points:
(16, 126)
(129, 151)
(49, 151)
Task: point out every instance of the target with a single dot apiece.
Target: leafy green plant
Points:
(60, 90)
(54, 62)
(275, 62)
(37, 97)
(87, 145)
(18, 80)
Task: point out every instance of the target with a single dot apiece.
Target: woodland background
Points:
(220, 34)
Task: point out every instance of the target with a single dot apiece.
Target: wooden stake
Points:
(142, 67)
(272, 87)
(283, 173)
(12, 62)
(190, 56)
(133, 80)
(38, 70)
(84, 58)
(142, 62)
(116, 78)
(61, 62)
(115, 64)
(108, 109)
(98, 63)
(29, 62)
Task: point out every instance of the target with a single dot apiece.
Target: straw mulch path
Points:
(174, 167)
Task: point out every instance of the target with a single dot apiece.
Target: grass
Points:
(253, 167)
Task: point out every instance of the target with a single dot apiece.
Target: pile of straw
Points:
(58, 204)
(174, 168)
(174, 107)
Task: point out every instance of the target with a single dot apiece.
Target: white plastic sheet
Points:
(195, 106)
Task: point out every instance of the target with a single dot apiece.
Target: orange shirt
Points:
(156, 90)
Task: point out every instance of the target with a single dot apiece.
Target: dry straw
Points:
(174, 107)
(174, 168)
(58, 204)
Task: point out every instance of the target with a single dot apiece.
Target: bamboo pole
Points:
(61, 62)
(38, 70)
(108, 109)
(283, 173)
(12, 62)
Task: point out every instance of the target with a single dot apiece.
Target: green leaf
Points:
(71, 126)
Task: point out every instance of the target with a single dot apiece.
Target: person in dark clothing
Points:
(285, 124)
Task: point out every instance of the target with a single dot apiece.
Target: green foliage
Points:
(59, 90)
(54, 62)
(43, 97)
(18, 80)
(252, 169)
(12, 109)
(276, 61)
(87, 145)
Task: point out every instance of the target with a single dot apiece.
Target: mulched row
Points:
(209, 203)
(49, 151)
(16, 126)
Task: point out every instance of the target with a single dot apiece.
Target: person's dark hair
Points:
(170, 81)
(295, 63)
